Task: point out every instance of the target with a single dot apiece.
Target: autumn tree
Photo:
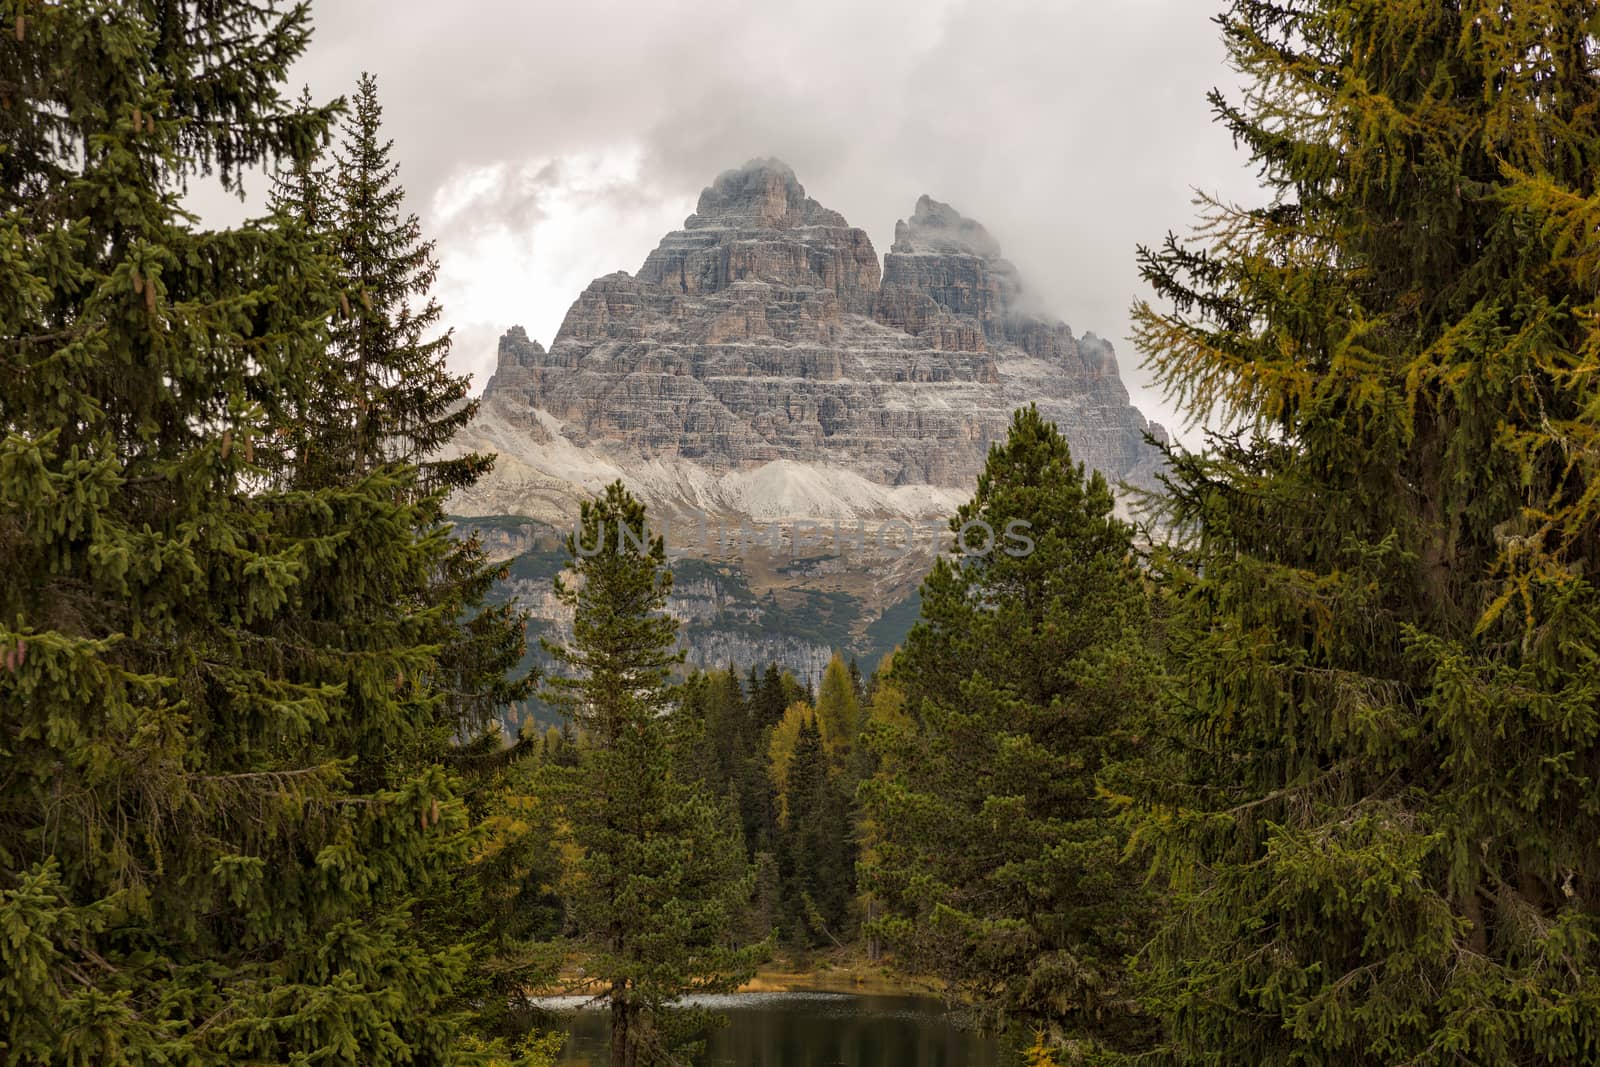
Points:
(838, 708)
(1381, 823)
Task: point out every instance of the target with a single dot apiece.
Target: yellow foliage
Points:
(1039, 1054)
(780, 749)
(837, 709)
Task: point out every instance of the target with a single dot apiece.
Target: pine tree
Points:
(214, 815)
(817, 851)
(999, 866)
(1381, 822)
(660, 883)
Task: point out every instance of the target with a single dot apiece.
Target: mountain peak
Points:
(936, 227)
(765, 337)
(762, 194)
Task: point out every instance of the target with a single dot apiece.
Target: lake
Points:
(809, 1030)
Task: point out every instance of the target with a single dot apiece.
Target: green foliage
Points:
(772, 692)
(1379, 811)
(222, 790)
(729, 755)
(999, 867)
(616, 672)
(385, 395)
(385, 399)
(658, 883)
(816, 857)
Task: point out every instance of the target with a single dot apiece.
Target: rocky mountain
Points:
(762, 367)
(761, 363)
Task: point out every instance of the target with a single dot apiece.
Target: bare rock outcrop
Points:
(760, 360)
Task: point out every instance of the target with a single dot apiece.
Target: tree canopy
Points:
(1380, 820)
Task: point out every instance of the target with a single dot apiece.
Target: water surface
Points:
(808, 1030)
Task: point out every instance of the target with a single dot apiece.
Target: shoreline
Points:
(834, 975)
(826, 975)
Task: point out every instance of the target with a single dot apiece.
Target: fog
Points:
(544, 144)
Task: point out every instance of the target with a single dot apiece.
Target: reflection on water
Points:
(807, 1030)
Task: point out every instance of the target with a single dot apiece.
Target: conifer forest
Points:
(1284, 752)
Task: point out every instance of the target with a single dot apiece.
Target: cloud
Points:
(545, 143)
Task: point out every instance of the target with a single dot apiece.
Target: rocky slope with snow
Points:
(762, 366)
(761, 363)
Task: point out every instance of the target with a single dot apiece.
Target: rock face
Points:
(762, 367)
(760, 363)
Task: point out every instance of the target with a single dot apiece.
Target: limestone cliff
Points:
(760, 363)
(762, 366)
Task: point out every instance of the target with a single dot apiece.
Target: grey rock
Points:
(765, 331)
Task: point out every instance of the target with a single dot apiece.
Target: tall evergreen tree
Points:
(1000, 868)
(772, 695)
(731, 752)
(208, 845)
(1382, 823)
(659, 882)
(817, 847)
(401, 401)
(387, 396)
(385, 399)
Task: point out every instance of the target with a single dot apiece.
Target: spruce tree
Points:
(401, 401)
(999, 866)
(385, 399)
(730, 755)
(772, 695)
(387, 396)
(1381, 818)
(659, 882)
(208, 847)
(817, 848)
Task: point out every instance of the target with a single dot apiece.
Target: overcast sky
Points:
(547, 142)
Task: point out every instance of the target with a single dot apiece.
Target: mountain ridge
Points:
(765, 367)
(768, 331)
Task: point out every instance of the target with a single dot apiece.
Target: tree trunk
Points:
(621, 1050)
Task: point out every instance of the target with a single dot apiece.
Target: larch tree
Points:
(838, 708)
(782, 740)
(998, 865)
(658, 883)
(1382, 822)
(208, 848)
